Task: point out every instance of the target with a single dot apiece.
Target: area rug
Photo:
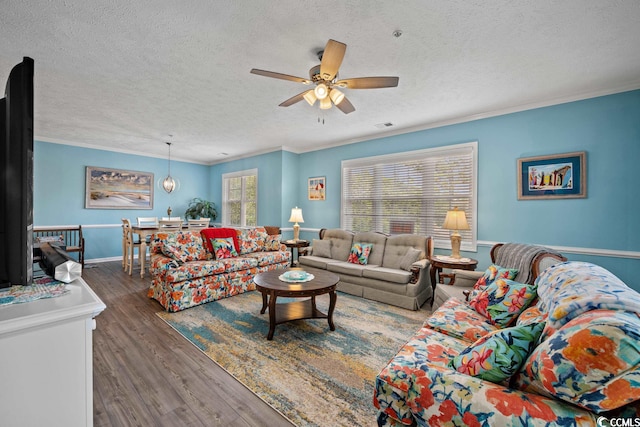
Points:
(310, 374)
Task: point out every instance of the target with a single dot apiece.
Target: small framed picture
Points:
(317, 188)
(558, 176)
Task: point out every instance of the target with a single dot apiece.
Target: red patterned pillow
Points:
(216, 233)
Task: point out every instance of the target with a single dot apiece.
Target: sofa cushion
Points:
(265, 258)
(396, 248)
(499, 354)
(409, 258)
(387, 274)
(251, 240)
(272, 242)
(359, 253)
(182, 246)
(321, 248)
(592, 361)
(341, 242)
(503, 300)
(316, 261)
(223, 248)
(457, 319)
(348, 268)
(378, 240)
(571, 288)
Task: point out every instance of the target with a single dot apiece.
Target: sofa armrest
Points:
(463, 278)
(417, 268)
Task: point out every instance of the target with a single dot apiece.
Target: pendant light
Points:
(169, 184)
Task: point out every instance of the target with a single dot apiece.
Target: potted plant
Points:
(200, 208)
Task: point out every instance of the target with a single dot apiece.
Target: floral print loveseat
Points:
(562, 352)
(190, 268)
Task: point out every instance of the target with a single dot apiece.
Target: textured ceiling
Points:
(124, 75)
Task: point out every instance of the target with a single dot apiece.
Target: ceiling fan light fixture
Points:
(321, 91)
(310, 97)
(336, 96)
(325, 103)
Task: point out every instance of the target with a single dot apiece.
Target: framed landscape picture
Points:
(317, 190)
(118, 189)
(558, 176)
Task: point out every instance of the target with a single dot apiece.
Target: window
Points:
(240, 198)
(412, 192)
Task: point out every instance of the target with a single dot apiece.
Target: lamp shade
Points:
(310, 97)
(336, 96)
(455, 220)
(321, 91)
(296, 215)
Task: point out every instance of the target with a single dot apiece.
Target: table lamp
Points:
(296, 216)
(455, 220)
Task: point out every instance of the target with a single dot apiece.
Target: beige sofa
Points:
(397, 271)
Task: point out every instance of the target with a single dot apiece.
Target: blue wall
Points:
(59, 192)
(607, 128)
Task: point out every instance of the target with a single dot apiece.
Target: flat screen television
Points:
(16, 180)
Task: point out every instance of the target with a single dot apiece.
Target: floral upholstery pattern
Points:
(251, 240)
(457, 319)
(183, 246)
(593, 361)
(223, 248)
(499, 354)
(178, 285)
(584, 365)
(503, 300)
(567, 291)
(359, 253)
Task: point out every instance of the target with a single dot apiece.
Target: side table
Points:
(439, 262)
(295, 244)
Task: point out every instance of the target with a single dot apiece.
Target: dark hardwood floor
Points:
(146, 374)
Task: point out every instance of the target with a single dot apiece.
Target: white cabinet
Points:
(46, 360)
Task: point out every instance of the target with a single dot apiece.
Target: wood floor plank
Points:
(145, 373)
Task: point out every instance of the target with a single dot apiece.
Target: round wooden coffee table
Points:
(271, 287)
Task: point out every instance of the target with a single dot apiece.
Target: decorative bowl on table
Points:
(296, 276)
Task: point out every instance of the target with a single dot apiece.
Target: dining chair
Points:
(170, 225)
(147, 221)
(129, 244)
(198, 224)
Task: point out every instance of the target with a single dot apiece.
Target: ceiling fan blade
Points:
(294, 99)
(331, 59)
(345, 106)
(368, 82)
(280, 76)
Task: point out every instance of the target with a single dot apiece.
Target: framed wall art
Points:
(317, 190)
(118, 189)
(558, 176)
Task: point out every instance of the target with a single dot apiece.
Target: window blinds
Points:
(411, 192)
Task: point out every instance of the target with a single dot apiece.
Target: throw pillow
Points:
(502, 301)
(490, 275)
(223, 248)
(272, 242)
(494, 272)
(321, 248)
(409, 258)
(214, 233)
(360, 253)
(500, 354)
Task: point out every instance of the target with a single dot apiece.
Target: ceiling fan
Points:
(325, 78)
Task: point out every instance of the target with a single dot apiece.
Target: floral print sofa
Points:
(187, 270)
(569, 360)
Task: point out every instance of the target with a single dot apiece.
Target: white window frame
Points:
(225, 196)
(434, 226)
